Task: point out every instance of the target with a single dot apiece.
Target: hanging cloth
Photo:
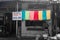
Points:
(35, 15)
(48, 14)
(31, 15)
(44, 15)
(40, 15)
(23, 14)
(27, 15)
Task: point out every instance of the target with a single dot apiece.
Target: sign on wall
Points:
(16, 16)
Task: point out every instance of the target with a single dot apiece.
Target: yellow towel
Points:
(48, 14)
(40, 15)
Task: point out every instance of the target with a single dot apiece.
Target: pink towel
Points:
(31, 15)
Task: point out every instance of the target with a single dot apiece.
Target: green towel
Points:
(26, 15)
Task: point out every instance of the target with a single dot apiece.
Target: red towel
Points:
(35, 15)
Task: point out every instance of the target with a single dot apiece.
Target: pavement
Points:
(7, 38)
(13, 37)
(10, 37)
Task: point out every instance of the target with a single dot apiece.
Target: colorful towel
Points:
(23, 14)
(35, 15)
(40, 15)
(31, 15)
(27, 15)
(44, 17)
(48, 14)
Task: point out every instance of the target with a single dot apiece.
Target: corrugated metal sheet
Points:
(24, 0)
(35, 0)
(7, 0)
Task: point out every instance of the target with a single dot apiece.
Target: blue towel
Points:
(23, 14)
(44, 15)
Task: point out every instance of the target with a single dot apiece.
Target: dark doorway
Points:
(7, 26)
